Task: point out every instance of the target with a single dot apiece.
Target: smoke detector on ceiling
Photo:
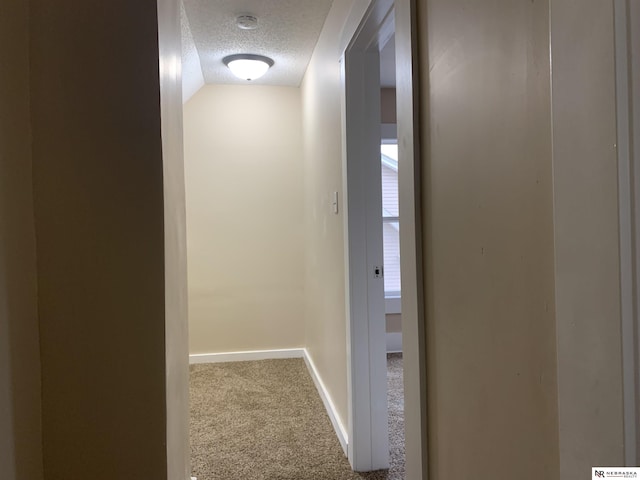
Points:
(247, 22)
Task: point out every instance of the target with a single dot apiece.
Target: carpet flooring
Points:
(264, 420)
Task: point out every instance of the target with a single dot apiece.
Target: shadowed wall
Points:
(98, 183)
(20, 429)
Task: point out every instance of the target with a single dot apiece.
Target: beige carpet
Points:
(264, 420)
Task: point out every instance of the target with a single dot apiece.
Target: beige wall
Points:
(325, 314)
(20, 428)
(394, 322)
(243, 166)
(98, 183)
(586, 236)
(488, 210)
(388, 105)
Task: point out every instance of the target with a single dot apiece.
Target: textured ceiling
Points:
(287, 32)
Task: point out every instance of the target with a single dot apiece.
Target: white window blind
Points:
(390, 219)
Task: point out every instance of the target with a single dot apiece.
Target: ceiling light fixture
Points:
(247, 66)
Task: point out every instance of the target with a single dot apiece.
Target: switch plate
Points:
(334, 203)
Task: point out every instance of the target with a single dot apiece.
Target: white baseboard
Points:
(246, 356)
(394, 342)
(341, 432)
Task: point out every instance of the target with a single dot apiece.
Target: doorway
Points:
(410, 240)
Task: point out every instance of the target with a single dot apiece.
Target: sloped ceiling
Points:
(287, 32)
(192, 79)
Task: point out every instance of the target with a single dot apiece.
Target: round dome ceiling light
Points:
(247, 22)
(247, 66)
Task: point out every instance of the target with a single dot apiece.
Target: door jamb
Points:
(411, 227)
(627, 40)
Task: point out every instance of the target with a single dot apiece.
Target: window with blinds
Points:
(390, 219)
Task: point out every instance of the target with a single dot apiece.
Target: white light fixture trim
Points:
(247, 66)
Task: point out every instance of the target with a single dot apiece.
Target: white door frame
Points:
(411, 260)
(368, 447)
(367, 400)
(627, 32)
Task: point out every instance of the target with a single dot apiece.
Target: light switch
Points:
(335, 202)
